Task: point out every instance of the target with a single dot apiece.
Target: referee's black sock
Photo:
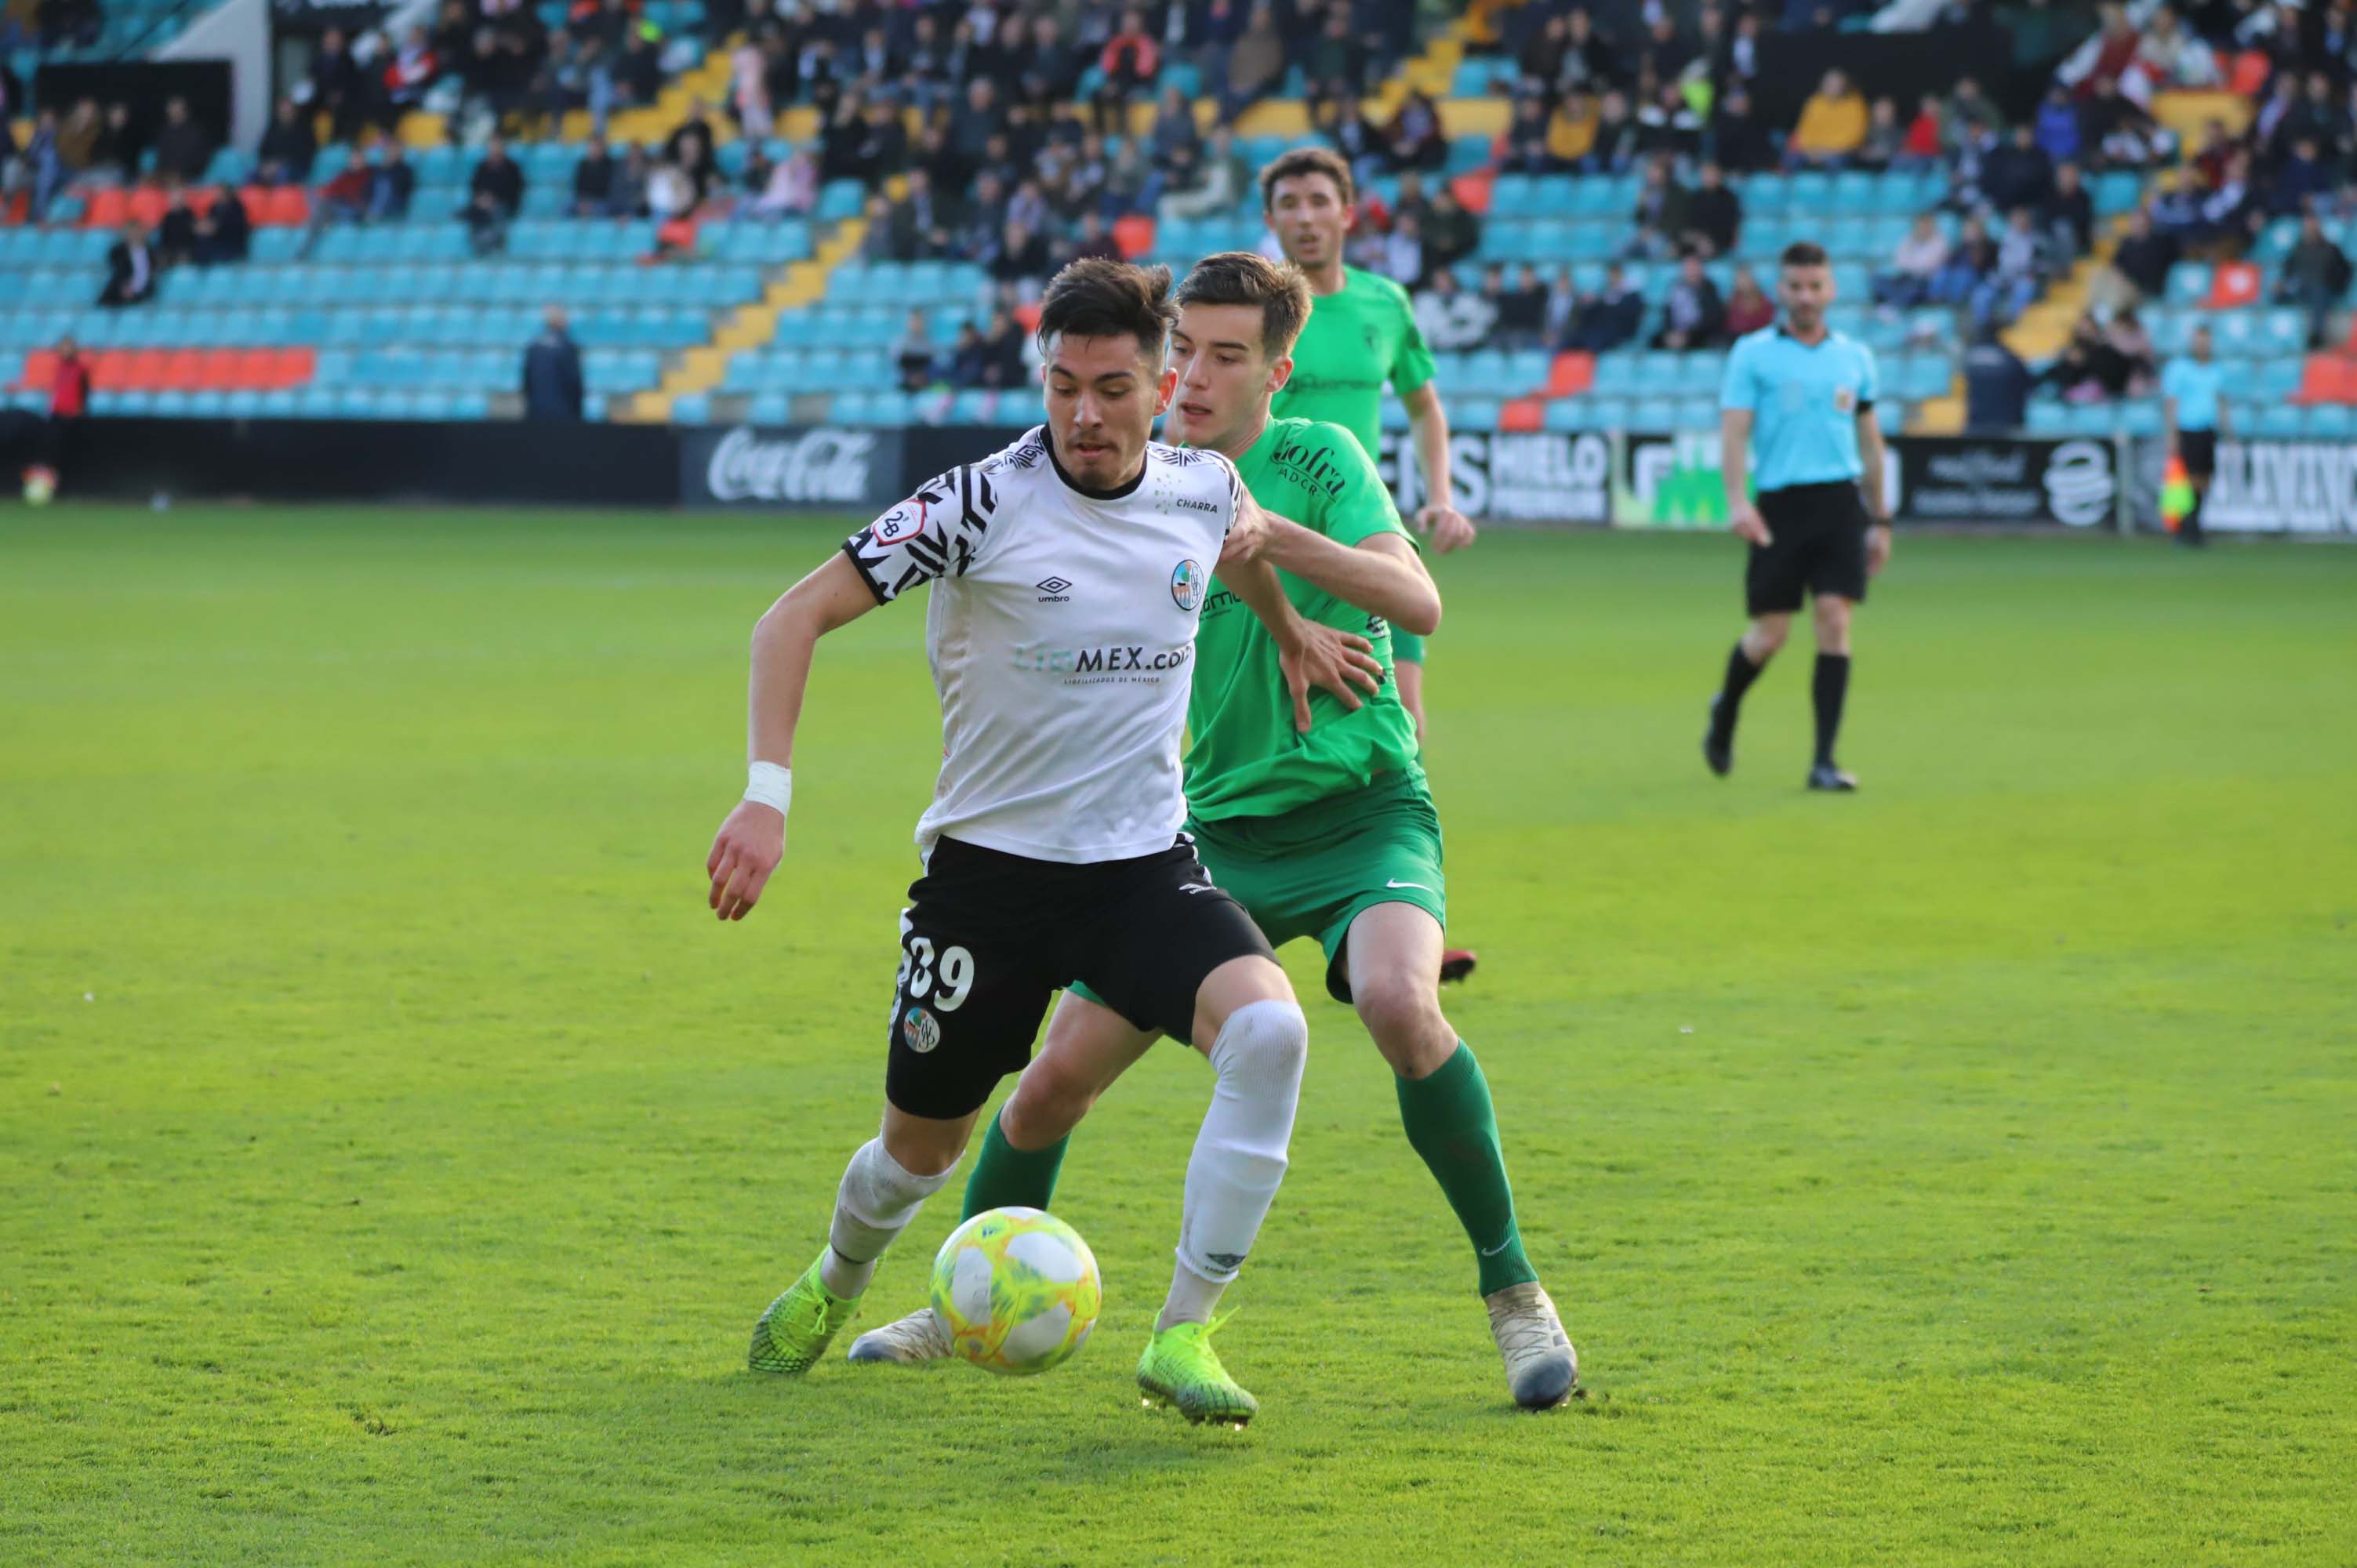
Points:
(1740, 673)
(1829, 687)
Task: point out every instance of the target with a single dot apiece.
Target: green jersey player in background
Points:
(1324, 830)
(1362, 334)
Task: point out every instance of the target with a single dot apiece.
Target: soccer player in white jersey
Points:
(1068, 572)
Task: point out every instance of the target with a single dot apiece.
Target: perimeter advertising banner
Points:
(2283, 487)
(1674, 481)
(1539, 476)
(763, 468)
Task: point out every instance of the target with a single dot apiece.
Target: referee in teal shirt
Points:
(1799, 403)
(2193, 407)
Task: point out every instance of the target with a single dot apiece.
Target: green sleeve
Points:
(1412, 362)
(1358, 506)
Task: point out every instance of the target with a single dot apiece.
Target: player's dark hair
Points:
(1277, 289)
(1096, 297)
(1802, 253)
(1305, 161)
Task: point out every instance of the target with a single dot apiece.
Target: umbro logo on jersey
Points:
(1051, 591)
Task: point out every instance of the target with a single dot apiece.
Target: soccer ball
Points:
(40, 484)
(1018, 1289)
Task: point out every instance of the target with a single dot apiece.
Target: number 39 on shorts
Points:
(947, 979)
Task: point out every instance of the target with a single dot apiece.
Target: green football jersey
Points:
(1246, 759)
(1357, 339)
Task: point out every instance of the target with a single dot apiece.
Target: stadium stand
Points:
(791, 183)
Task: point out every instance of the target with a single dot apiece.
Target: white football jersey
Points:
(1061, 636)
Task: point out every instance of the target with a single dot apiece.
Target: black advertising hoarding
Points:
(2283, 487)
(764, 468)
(2004, 479)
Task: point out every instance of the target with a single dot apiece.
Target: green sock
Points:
(1450, 1122)
(1006, 1177)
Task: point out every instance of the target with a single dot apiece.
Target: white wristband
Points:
(771, 785)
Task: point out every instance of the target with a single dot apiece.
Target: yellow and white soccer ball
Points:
(40, 484)
(1018, 1289)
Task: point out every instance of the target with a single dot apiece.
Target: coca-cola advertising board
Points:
(766, 468)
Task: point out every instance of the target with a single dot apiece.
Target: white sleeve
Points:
(937, 533)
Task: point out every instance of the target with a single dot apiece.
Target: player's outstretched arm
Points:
(753, 839)
(1381, 574)
(1309, 654)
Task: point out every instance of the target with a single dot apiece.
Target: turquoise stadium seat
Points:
(2049, 419)
(2280, 421)
(2189, 282)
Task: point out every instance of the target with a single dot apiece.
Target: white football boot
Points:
(920, 1337)
(1541, 1368)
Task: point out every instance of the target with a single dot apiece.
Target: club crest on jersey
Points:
(1844, 399)
(921, 1029)
(1187, 585)
(902, 523)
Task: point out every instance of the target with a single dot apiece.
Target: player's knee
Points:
(1048, 1101)
(1403, 1012)
(1766, 637)
(1263, 1049)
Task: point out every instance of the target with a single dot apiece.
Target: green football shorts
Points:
(1406, 645)
(1311, 872)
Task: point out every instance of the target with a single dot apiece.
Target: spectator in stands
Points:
(1051, 69)
(1590, 62)
(1021, 257)
(391, 182)
(915, 357)
(593, 179)
(131, 269)
(1415, 137)
(2070, 217)
(1357, 140)
(1666, 123)
(1926, 142)
(1886, 139)
(69, 404)
(1131, 61)
(1749, 308)
(628, 196)
(671, 194)
(1693, 316)
(1217, 184)
(552, 374)
(1336, 66)
(224, 231)
(1970, 260)
(1914, 265)
(1997, 385)
(1662, 210)
(1401, 257)
(78, 134)
(1451, 233)
(1713, 214)
(1521, 306)
(2130, 340)
(1970, 115)
(288, 148)
(2230, 211)
(175, 234)
(2058, 134)
(500, 179)
(2139, 266)
(793, 187)
(1522, 149)
(1092, 241)
(61, 23)
(2127, 136)
(2021, 269)
(1450, 317)
(41, 170)
(412, 70)
(1832, 126)
(969, 358)
(1609, 318)
(2088, 370)
(1002, 349)
(1613, 148)
(2315, 276)
(637, 75)
(2301, 181)
(1738, 142)
(1562, 306)
(1540, 62)
(182, 147)
(2018, 174)
(336, 87)
(1255, 65)
(115, 155)
(1571, 132)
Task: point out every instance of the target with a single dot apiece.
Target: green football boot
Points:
(1180, 1367)
(795, 1330)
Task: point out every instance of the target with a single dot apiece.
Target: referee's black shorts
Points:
(2198, 450)
(989, 938)
(1817, 545)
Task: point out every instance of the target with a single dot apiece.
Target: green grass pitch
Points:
(394, 1153)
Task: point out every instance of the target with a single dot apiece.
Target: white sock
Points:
(877, 1200)
(1239, 1158)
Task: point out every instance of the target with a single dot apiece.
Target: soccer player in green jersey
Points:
(1323, 830)
(1362, 334)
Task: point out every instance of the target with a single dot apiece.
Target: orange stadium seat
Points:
(217, 369)
(180, 370)
(1134, 232)
(1570, 374)
(109, 206)
(146, 370)
(41, 369)
(148, 204)
(1523, 413)
(288, 207)
(110, 370)
(2233, 285)
(296, 367)
(1472, 190)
